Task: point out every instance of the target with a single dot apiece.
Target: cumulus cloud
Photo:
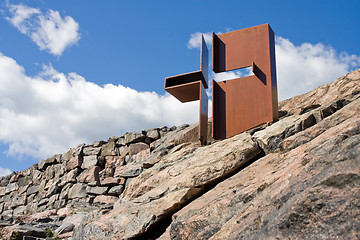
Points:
(305, 67)
(4, 171)
(48, 30)
(299, 68)
(47, 114)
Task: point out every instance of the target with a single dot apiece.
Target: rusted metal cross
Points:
(237, 104)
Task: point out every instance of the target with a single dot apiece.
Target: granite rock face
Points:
(298, 178)
(311, 191)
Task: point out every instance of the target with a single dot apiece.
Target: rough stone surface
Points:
(96, 190)
(11, 187)
(89, 161)
(137, 147)
(132, 137)
(116, 190)
(154, 134)
(78, 190)
(109, 149)
(64, 228)
(162, 190)
(90, 150)
(296, 179)
(20, 231)
(71, 176)
(74, 162)
(89, 175)
(105, 199)
(33, 189)
(348, 85)
(112, 181)
(128, 171)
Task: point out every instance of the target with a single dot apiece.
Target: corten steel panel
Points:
(243, 103)
(172, 82)
(187, 92)
(191, 86)
(203, 111)
(204, 62)
(191, 92)
(232, 113)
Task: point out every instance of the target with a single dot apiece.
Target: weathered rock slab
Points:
(311, 190)
(178, 178)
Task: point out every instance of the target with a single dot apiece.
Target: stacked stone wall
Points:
(85, 177)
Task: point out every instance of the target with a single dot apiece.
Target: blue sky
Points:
(74, 72)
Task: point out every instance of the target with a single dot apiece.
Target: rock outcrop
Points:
(298, 178)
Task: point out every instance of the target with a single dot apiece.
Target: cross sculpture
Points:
(237, 104)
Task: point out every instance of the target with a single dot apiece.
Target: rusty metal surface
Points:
(238, 106)
(185, 92)
(177, 81)
(204, 62)
(203, 111)
(191, 87)
(243, 103)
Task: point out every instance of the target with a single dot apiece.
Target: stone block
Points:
(18, 200)
(128, 171)
(12, 187)
(132, 137)
(109, 149)
(63, 212)
(52, 200)
(90, 175)
(137, 147)
(114, 161)
(123, 151)
(98, 143)
(106, 172)
(90, 150)
(42, 186)
(53, 189)
(140, 156)
(89, 161)
(96, 190)
(64, 228)
(74, 162)
(7, 214)
(104, 199)
(78, 190)
(60, 203)
(65, 191)
(71, 176)
(112, 181)
(43, 202)
(116, 190)
(24, 181)
(23, 189)
(33, 190)
(73, 152)
(14, 177)
(2, 191)
(153, 134)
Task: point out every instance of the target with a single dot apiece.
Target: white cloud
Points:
(232, 74)
(4, 171)
(48, 30)
(21, 16)
(47, 114)
(299, 68)
(195, 39)
(305, 67)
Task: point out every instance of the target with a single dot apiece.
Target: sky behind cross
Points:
(77, 72)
